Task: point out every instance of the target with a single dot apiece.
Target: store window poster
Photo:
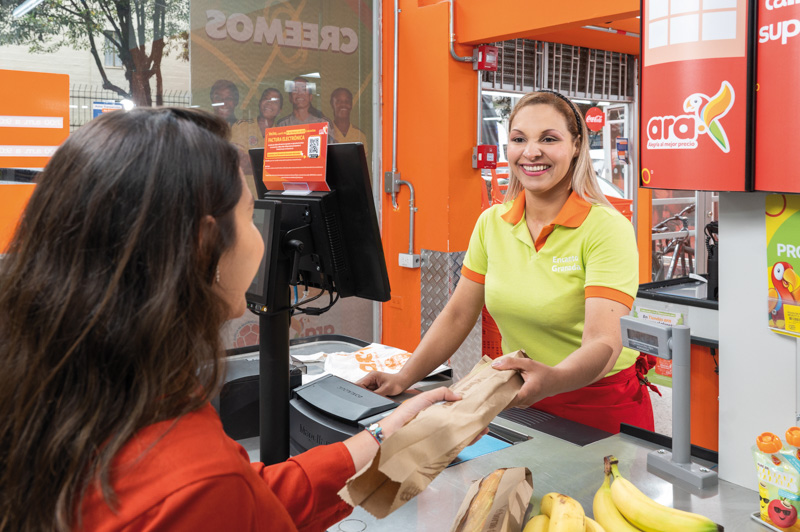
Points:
(783, 263)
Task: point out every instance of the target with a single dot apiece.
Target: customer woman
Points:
(556, 266)
(136, 246)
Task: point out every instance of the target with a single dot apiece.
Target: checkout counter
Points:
(561, 455)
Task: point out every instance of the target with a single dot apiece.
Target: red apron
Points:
(621, 398)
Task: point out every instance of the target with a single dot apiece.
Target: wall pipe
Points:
(464, 59)
(396, 182)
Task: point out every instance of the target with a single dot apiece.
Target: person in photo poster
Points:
(110, 358)
(556, 266)
(249, 133)
(303, 110)
(224, 99)
(342, 105)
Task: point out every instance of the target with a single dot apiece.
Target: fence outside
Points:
(81, 98)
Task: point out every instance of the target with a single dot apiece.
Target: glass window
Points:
(257, 64)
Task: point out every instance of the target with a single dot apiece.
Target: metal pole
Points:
(681, 389)
(273, 366)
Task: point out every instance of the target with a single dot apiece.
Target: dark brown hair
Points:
(108, 318)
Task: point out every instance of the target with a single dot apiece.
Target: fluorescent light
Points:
(585, 102)
(25, 7)
(496, 118)
(84, 106)
(217, 104)
(603, 103)
(73, 106)
(311, 75)
(504, 93)
(193, 106)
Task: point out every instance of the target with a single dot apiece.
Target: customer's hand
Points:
(384, 383)
(411, 407)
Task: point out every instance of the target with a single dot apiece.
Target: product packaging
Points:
(414, 455)
(496, 505)
(778, 467)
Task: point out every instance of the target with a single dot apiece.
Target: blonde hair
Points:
(584, 180)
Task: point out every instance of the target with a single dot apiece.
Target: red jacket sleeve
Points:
(308, 484)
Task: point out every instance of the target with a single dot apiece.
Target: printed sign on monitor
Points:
(294, 158)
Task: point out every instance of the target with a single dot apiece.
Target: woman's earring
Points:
(217, 275)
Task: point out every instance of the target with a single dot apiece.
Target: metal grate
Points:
(525, 65)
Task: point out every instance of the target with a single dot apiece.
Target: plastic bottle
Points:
(770, 445)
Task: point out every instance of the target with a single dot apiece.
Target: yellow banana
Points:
(565, 513)
(605, 512)
(547, 503)
(650, 516)
(594, 526)
(539, 523)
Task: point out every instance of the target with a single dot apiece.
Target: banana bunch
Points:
(620, 506)
(561, 513)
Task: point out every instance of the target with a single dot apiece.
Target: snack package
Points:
(496, 502)
(778, 469)
(414, 455)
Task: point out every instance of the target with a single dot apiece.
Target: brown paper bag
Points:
(509, 504)
(414, 455)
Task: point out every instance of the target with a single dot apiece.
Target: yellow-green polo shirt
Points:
(536, 292)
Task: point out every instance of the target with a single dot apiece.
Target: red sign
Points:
(777, 103)
(595, 119)
(694, 110)
(295, 156)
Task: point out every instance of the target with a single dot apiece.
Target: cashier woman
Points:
(556, 266)
(137, 244)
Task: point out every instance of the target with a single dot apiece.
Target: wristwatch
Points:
(376, 432)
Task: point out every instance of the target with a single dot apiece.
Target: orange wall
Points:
(436, 113)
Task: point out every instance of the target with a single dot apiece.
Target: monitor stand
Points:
(273, 365)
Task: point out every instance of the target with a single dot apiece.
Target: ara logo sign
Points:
(703, 114)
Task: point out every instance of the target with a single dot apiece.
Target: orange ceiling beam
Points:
(587, 38)
(478, 21)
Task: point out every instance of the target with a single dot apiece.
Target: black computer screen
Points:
(266, 217)
(344, 251)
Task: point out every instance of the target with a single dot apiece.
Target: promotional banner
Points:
(294, 158)
(783, 263)
(266, 63)
(34, 117)
(694, 97)
(777, 78)
(98, 108)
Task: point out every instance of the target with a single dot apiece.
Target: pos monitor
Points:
(331, 238)
(328, 240)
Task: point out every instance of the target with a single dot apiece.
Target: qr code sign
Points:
(313, 147)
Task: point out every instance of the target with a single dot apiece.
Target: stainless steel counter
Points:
(560, 466)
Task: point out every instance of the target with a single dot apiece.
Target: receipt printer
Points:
(331, 409)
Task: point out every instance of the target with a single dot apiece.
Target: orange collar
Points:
(572, 214)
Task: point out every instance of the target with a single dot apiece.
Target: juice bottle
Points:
(770, 446)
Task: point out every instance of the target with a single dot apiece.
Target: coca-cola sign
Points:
(595, 119)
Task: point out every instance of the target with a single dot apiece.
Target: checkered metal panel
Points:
(440, 273)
